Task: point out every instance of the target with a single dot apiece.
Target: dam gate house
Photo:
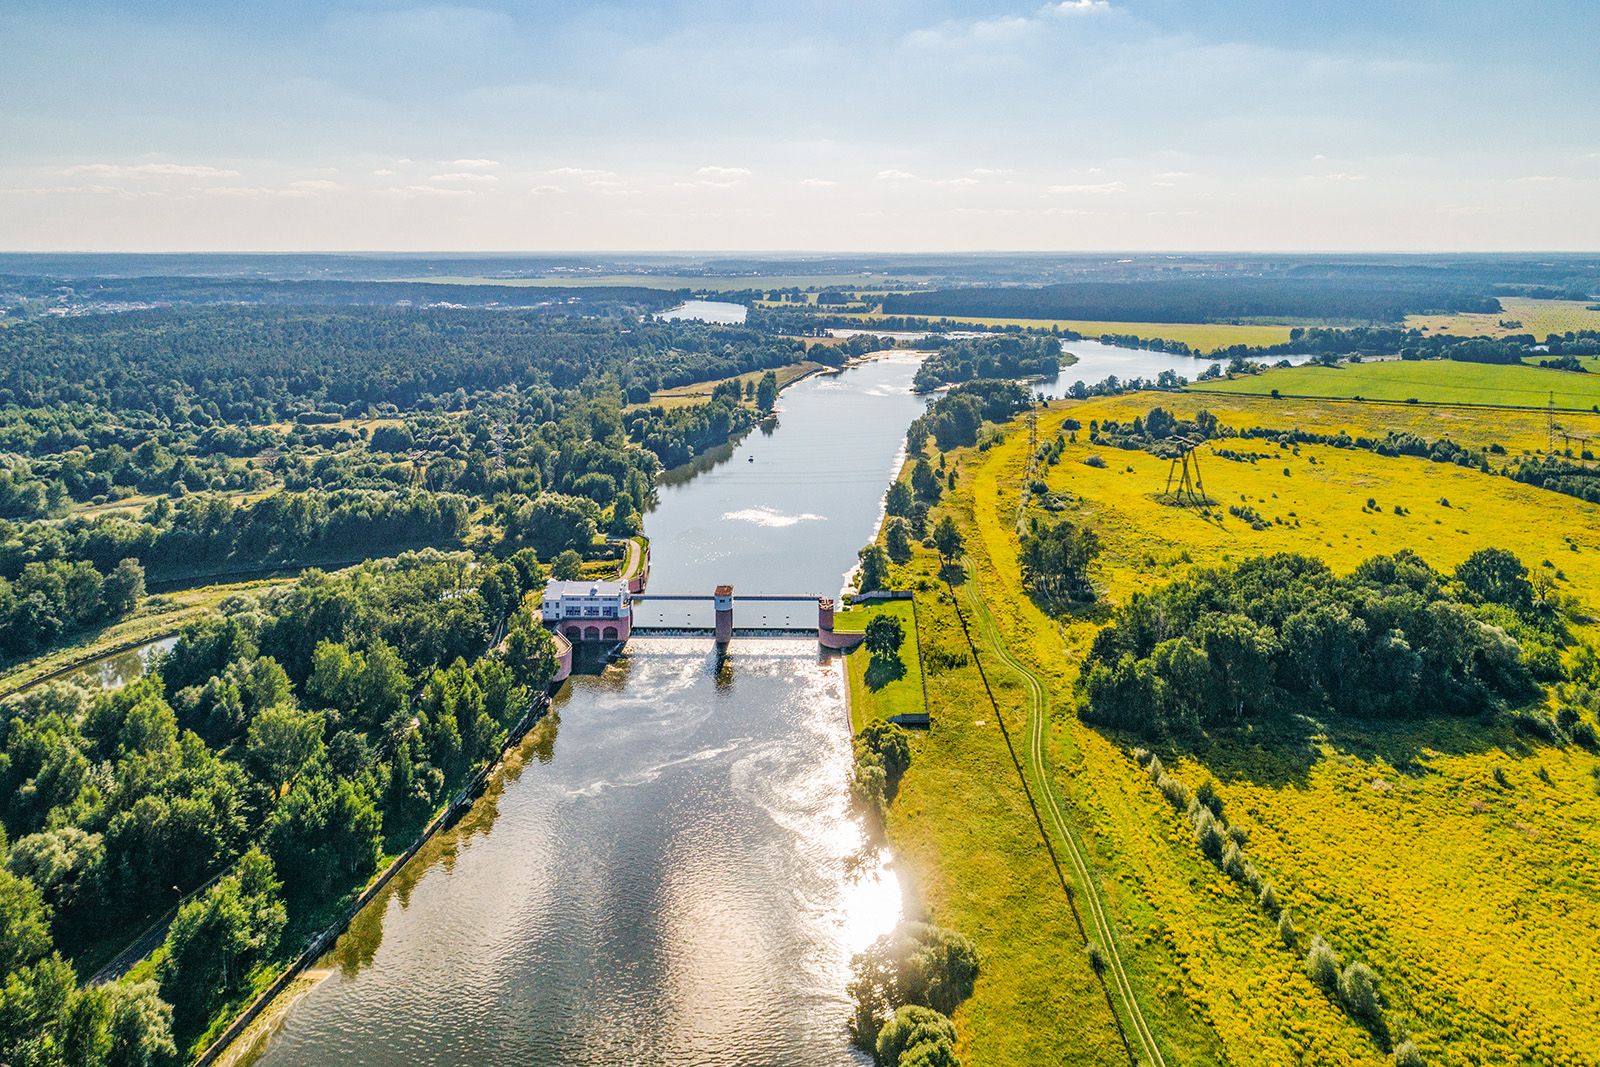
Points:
(589, 611)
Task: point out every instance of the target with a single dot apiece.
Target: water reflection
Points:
(682, 886)
(116, 671)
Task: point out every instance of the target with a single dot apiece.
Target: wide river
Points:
(665, 874)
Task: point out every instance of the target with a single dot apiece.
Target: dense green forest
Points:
(1216, 299)
(1282, 633)
(284, 746)
(965, 359)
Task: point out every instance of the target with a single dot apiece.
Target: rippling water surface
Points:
(669, 873)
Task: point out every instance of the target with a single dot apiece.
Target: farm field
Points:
(1426, 381)
(1538, 317)
(1205, 336)
(1418, 848)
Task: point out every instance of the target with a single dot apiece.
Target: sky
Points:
(1177, 125)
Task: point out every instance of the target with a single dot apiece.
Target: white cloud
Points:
(253, 192)
(316, 185)
(159, 170)
(464, 176)
(1077, 7)
(581, 172)
(896, 176)
(382, 172)
(818, 183)
(990, 172)
(473, 164)
(409, 191)
(547, 190)
(1090, 189)
(724, 173)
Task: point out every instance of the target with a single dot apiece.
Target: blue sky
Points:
(1084, 124)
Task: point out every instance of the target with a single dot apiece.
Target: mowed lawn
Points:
(881, 689)
(1425, 381)
(1460, 861)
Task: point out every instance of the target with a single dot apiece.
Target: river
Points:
(672, 877)
(669, 873)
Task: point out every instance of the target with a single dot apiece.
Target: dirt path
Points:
(1089, 891)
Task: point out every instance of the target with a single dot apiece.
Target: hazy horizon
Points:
(1138, 126)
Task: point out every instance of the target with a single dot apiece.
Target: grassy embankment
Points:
(1538, 317)
(874, 688)
(1473, 900)
(1425, 381)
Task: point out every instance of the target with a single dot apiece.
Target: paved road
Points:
(1082, 874)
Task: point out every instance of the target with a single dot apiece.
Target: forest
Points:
(1215, 299)
(261, 770)
(1282, 633)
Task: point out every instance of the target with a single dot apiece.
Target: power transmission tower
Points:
(1185, 471)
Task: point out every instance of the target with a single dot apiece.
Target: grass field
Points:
(699, 392)
(1538, 317)
(1473, 900)
(1205, 336)
(1428, 381)
(873, 690)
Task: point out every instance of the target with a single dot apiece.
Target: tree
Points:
(1497, 576)
(899, 500)
(885, 634)
(767, 392)
(924, 483)
(553, 522)
(24, 923)
(1055, 559)
(123, 587)
(897, 540)
(874, 568)
(947, 539)
(530, 652)
(140, 1026)
(280, 742)
(567, 566)
(915, 1027)
(322, 834)
(217, 939)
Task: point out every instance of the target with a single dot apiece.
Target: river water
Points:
(673, 876)
(668, 874)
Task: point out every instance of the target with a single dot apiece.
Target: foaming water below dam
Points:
(673, 877)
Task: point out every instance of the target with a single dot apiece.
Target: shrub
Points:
(1358, 992)
(1322, 965)
(1268, 899)
(1210, 837)
(1094, 461)
(1176, 792)
(1207, 795)
(1286, 930)
(1097, 959)
(1583, 733)
(913, 1028)
(1406, 1055)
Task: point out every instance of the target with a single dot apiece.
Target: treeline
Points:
(954, 419)
(1282, 634)
(199, 534)
(278, 743)
(117, 293)
(677, 435)
(988, 357)
(1215, 299)
(46, 601)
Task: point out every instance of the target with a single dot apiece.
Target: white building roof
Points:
(558, 590)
